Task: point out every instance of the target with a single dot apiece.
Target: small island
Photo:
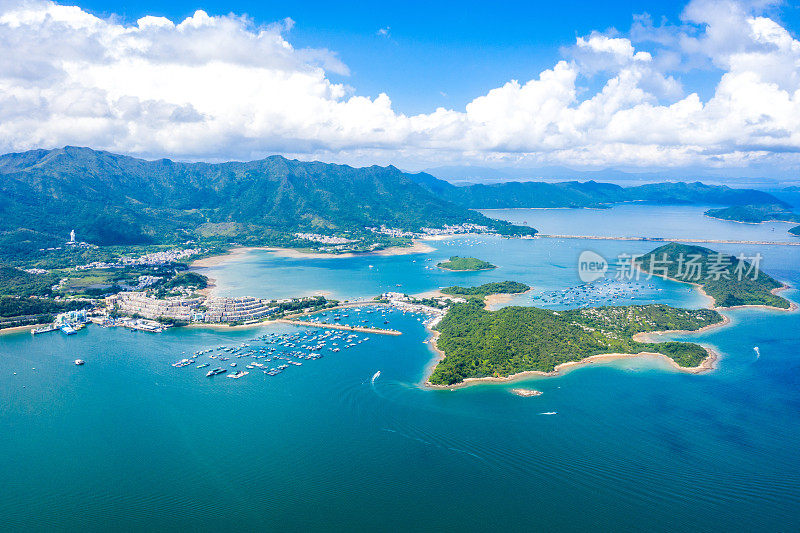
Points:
(526, 393)
(477, 343)
(755, 214)
(461, 264)
(715, 275)
(487, 289)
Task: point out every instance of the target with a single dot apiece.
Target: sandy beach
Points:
(417, 247)
(16, 329)
(706, 365)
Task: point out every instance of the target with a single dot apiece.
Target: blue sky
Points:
(461, 49)
(702, 84)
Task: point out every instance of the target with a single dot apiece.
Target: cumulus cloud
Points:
(216, 87)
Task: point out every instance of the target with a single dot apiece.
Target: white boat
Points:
(758, 353)
(79, 362)
(376, 375)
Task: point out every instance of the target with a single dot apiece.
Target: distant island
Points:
(755, 213)
(477, 343)
(717, 275)
(465, 263)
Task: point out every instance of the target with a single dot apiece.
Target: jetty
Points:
(667, 239)
(343, 327)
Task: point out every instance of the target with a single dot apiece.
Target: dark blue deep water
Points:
(127, 442)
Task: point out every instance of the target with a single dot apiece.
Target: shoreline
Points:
(751, 223)
(713, 302)
(17, 329)
(416, 247)
(706, 365)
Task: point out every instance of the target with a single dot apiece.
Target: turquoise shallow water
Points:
(129, 442)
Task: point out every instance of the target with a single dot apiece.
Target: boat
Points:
(239, 374)
(183, 362)
(80, 362)
(215, 371)
(758, 353)
(376, 375)
(44, 329)
(203, 365)
(69, 330)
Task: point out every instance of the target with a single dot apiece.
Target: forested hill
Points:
(113, 199)
(590, 194)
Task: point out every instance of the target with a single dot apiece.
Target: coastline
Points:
(713, 303)
(16, 329)
(200, 265)
(706, 365)
(416, 247)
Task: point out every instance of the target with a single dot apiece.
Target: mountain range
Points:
(115, 199)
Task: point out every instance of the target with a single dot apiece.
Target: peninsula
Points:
(755, 214)
(460, 264)
(724, 278)
(478, 343)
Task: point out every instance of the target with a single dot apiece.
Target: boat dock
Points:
(343, 327)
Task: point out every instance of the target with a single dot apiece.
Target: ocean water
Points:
(127, 442)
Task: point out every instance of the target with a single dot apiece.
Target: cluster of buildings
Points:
(152, 259)
(324, 239)
(197, 309)
(139, 303)
(447, 229)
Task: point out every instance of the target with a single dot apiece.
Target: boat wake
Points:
(375, 376)
(758, 352)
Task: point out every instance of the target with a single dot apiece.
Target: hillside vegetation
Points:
(755, 213)
(465, 263)
(479, 343)
(591, 194)
(718, 275)
(110, 199)
(481, 291)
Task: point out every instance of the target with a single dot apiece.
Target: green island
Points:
(478, 343)
(465, 264)
(481, 291)
(755, 213)
(718, 275)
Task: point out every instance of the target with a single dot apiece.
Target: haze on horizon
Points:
(716, 90)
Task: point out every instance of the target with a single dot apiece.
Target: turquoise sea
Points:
(128, 442)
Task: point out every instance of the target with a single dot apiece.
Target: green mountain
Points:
(590, 194)
(755, 213)
(723, 277)
(478, 343)
(114, 199)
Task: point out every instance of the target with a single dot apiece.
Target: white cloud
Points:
(222, 87)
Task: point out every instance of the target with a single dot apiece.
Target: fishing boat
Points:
(215, 371)
(80, 362)
(237, 375)
(183, 362)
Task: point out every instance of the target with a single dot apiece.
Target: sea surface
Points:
(128, 442)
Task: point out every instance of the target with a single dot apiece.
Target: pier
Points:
(343, 327)
(665, 239)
